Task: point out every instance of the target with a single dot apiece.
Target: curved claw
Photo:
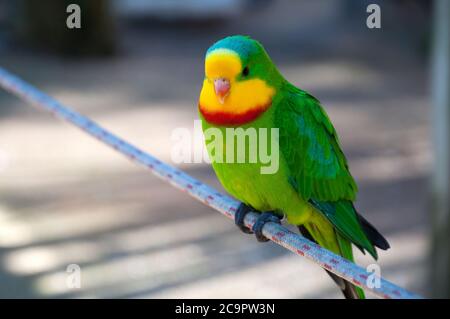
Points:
(259, 224)
(239, 218)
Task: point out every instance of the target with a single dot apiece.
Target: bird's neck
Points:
(228, 118)
(246, 101)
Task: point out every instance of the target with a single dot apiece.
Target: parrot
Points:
(312, 187)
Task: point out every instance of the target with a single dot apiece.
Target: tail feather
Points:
(338, 235)
(373, 234)
(349, 290)
(350, 224)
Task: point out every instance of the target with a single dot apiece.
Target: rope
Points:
(209, 196)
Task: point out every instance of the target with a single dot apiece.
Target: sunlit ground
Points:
(65, 198)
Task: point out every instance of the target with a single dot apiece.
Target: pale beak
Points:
(222, 88)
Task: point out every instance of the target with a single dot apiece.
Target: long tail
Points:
(350, 225)
(333, 226)
(344, 249)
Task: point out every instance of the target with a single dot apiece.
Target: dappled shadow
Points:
(66, 199)
(156, 230)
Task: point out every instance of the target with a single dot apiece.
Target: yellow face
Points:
(223, 93)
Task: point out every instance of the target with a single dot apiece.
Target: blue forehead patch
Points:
(244, 46)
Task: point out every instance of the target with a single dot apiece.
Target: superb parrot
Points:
(312, 186)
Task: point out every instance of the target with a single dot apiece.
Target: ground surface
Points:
(65, 198)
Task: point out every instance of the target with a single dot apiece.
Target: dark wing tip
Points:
(373, 234)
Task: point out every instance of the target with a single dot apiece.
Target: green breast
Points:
(242, 175)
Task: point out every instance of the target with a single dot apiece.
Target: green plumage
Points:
(313, 186)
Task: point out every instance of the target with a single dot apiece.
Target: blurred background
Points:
(136, 67)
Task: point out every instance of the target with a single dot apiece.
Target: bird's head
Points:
(240, 81)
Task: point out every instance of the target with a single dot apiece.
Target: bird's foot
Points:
(264, 218)
(239, 218)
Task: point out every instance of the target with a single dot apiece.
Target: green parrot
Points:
(312, 186)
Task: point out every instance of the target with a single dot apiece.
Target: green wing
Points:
(317, 166)
(309, 143)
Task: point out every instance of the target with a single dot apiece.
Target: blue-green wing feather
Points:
(317, 166)
(309, 143)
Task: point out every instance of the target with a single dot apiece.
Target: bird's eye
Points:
(246, 71)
